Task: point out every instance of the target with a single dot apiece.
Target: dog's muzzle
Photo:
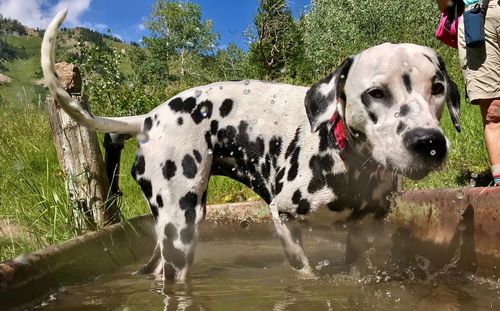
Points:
(428, 147)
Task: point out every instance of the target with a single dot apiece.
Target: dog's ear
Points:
(321, 98)
(452, 96)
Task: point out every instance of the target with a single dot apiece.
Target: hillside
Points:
(20, 58)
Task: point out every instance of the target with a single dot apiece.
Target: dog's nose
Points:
(428, 144)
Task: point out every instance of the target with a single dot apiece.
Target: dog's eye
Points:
(437, 89)
(376, 93)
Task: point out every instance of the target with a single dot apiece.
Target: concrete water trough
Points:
(439, 224)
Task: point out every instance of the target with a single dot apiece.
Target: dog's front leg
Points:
(292, 244)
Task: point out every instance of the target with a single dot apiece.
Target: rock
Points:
(4, 79)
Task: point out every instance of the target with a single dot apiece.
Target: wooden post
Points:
(80, 158)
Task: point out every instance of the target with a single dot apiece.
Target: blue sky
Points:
(125, 17)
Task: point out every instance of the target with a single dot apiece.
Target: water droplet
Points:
(197, 93)
(323, 263)
(460, 194)
(233, 169)
(246, 91)
(210, 151)
(272, 101)
(405, 64)
(231, 153)
(204, 111)
(246, 82)
(342, 76)
(239, 148)
(221, 87)
(275, 122)
(142, 138)
(396, 115)
(433, 152)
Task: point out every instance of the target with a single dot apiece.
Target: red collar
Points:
(338, 131)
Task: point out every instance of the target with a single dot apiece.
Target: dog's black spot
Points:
(197, 155)
(189, 104)
(296, 197)
(208, 140)
(304, 207)
(187, 234)
(278, 180)
(226, 107)
(325, 138)
(188, 204)
(189, 168)
(188, 201)
(170, 232)
(404, 110)
(373, 117)
(176, 104)
(407, 82)
(140, 164)
(275, 145)
(401, 127)
(159, 200)
(202, 111)
(169, 169)
(294, 168)
(231, 134)
(293, 144)
(148, 124)
(214, 126)
(266, 167)
(319, 165)
(180, 121)
(146, 187)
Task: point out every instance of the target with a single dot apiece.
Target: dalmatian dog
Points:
(336, 146)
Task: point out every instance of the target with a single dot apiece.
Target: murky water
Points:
(245, 270)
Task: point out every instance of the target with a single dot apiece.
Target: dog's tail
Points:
(126, 125)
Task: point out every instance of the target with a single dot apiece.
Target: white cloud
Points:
(33, 13)
(141, 27)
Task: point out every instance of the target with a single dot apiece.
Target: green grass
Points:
(24, 71)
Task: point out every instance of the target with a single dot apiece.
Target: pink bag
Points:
(447, 29)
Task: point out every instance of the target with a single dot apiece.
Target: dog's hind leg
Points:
(292, 244)
(177, 228)
(175, 189)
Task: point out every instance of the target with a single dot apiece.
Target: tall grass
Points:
(33, 195)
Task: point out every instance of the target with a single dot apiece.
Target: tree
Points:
(276, 46)
(178, 29)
